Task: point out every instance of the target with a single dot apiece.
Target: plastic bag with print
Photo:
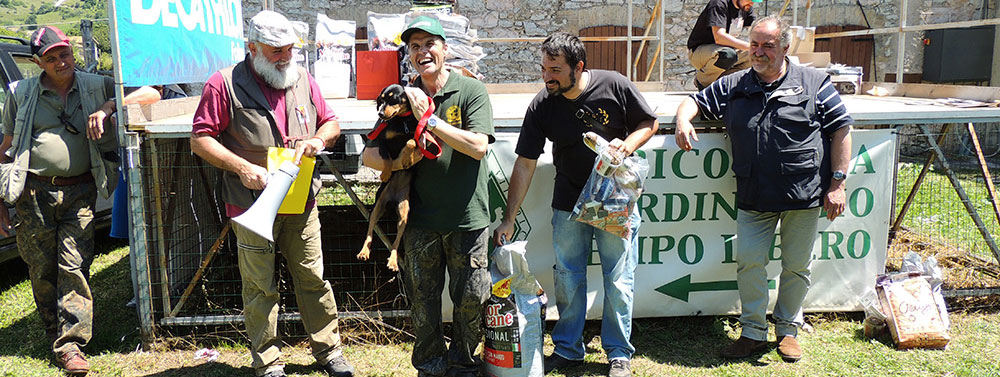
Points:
(612, 190)
(514, 316)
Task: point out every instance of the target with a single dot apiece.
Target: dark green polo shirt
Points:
(450, 193)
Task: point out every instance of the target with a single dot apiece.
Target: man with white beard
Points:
(267, 101)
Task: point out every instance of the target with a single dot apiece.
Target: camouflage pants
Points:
(298, 238)
(426, 257)
(55, 237)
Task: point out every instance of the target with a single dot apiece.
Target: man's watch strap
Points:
(432, 122)
(839, 175)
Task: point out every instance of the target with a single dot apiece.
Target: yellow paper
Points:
(295, 200)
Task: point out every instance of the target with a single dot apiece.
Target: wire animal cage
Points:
(193, 277)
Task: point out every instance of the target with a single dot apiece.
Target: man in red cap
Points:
(56, 158)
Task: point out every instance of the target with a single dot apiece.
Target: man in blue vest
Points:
(267, 101)
(56, 159)
(791, 144)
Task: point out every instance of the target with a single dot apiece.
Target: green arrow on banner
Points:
(683, 286)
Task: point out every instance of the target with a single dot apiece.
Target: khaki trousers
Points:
(298, 238)
(704, 57)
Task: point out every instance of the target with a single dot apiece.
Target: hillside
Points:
(14, 14)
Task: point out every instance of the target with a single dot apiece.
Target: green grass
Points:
(683, 346)
(937, 211)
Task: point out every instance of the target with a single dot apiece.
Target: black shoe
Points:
(554, 361)
(339, 367)
(620, 368)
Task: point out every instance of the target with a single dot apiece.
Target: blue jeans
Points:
(573, 242)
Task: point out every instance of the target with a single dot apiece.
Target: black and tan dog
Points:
(394, 136)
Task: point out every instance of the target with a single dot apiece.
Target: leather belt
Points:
(63, 181)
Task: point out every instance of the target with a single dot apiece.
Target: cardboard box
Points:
(813, 59)
(803, 40)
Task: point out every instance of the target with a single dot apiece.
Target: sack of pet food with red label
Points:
(514, 316)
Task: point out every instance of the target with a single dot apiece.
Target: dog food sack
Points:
(913, 317)
(334, 56)
(514, 316)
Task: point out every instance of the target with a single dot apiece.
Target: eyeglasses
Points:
(64, 119)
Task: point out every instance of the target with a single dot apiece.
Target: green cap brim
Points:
(427, 24)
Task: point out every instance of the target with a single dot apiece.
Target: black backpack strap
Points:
(592, 124)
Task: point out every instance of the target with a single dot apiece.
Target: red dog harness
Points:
(419, 136)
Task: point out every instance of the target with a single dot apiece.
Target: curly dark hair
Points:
(566, 45)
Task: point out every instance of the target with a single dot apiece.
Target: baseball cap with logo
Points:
(47, 38)
(272, 28)
(424, 23)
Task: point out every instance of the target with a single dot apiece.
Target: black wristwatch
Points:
(839, 175)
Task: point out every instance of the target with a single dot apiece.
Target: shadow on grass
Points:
(205, 370)
(686, 341)
(115, 326)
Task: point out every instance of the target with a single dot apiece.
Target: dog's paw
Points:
(364, 253)
(392, 263)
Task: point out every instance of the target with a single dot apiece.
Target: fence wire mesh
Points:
(185, 219)
(937, 221)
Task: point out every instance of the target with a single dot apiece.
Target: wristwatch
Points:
(432, 123)
(839, 175)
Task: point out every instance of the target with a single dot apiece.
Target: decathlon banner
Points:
(172, 41)
(686, 240)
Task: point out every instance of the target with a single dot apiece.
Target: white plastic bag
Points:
(514, 316)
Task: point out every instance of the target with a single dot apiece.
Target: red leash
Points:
(427, 139)
(381, 126)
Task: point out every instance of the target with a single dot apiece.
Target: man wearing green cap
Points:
(448, 219)
(714, 47)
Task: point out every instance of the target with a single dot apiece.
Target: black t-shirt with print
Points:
(611, 99)
(719, 13)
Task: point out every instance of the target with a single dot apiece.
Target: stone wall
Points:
(518, 61)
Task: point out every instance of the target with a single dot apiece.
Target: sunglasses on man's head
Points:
(64, 119)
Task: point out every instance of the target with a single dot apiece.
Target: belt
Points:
(63, 181)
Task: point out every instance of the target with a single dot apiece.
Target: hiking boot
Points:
(554, 361)
(275, 373)
(74, 364)
(789, 349)
(620, 368)
(743, 347)
(339, 367)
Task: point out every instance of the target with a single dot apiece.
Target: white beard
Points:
(276, 78)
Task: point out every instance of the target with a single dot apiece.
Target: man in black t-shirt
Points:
(576, 101)
(714, 47)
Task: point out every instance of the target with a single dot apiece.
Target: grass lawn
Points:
(685, 346)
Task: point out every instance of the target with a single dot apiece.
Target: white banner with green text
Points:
(688, 208)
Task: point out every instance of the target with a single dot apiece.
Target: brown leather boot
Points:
(743, 347)
(789, 349)
(75, 364)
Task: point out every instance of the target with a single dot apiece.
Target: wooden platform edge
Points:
(933, 91)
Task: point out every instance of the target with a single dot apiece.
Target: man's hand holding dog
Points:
(419, 101)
